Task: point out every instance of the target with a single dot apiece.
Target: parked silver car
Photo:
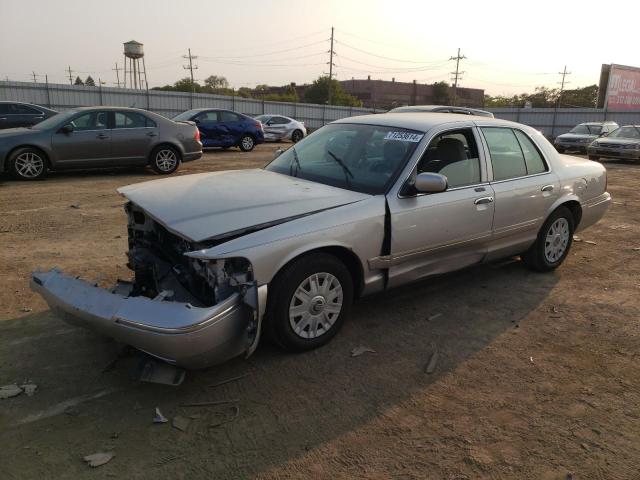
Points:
(363, 205)
(279, 127)
(580, 136)
(621, 143)
(98, 137)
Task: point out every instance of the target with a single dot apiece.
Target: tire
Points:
(296, 136)
(559, 228)
(28, 164)
(247, 143)
(560, 149)
(595, 158)
(165, 160)
(308, 330)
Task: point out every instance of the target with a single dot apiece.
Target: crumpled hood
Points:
(576, 136)
(207, 205)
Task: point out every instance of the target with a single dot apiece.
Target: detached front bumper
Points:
(178, 333)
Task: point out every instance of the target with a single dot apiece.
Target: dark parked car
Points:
(580, 136)
(98, 137)
(442, 109)
(224, 128)
(623, 142)
(19, 114)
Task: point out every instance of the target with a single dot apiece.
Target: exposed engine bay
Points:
(163, 272)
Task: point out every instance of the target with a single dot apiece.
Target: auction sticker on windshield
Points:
(404, 136)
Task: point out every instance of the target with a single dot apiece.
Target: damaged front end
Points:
(190, 312)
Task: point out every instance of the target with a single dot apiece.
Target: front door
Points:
(132, 138)
(440, 232)
(525, 189)
(209, 125)
(88, 145)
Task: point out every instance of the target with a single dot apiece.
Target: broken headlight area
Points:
(161, 269)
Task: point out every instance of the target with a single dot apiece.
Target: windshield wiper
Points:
(345, 169)
(296, 160)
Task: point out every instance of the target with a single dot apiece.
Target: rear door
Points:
(277, 127)
(132, 138)
(440, 232)
(88, 145)
(232, 127)
(524, 187)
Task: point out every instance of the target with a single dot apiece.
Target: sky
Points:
(510, 46)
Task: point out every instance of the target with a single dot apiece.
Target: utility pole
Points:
(191, 68)
(564, 73)
(117, 73)
(457, 75)
(331, 52)
(70, 75)
(35, 79)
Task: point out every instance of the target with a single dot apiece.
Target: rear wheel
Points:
(296, 136)
(553, 242)
(308, 302)
(28, 164)
(165, 160)
(247, 143)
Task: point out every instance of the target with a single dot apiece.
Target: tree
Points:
(78, 81)
(89, 82)
(580, 97)
(441, 94)
(215, 82)
(244, 92)
(318, 92)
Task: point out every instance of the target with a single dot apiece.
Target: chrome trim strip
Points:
(518, 226)
(188, 329)
(595, 201)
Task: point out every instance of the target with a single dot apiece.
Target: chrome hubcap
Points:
(166, 160)
(315, 305)
(556, 240)
(29, 165)
(247, 142)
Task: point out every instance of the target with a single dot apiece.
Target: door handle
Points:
(483, 200)
(102, 136)
(152, 134)
(3, 118)
(547, 188)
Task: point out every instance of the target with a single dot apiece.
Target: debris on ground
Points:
(9, 391)
(72, 411)
(590, 242)
(26, 309)
(576, 238)
(228, 380)
(168, 459)
(231, 418)
(159, 418)
(209, 404)
(636, 249)
(356, 352)
(75, 205)
(98, 459)
(433, 361)
(531, 359)
(433, 317)
(155, 371)
(622, 226)
(181, 423)
(29, 389)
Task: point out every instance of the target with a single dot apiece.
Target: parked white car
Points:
(278, 127)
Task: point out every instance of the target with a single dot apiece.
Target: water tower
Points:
(134, 51)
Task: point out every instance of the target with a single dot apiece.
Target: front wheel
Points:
(28, 164)
(247, 143)
(553, 242)
(308, 302)
(296, 136)
(165, 160)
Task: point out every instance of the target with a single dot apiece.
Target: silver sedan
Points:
(279, 127)
(363, 205)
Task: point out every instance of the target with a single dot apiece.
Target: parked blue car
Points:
(224, 128)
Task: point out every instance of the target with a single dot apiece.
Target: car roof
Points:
(597, 123)
(424, 123)
(431, 108)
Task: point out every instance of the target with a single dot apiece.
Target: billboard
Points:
(621, 87)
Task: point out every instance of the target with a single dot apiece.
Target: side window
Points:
(453, 154)
(229, 117)
(130, 120)
(26, 110)
(507, 158)
(279, 121)
(4, 108)
(532, 158)
(91, 121)
(207, 117)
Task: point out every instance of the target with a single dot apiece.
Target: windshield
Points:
(625, 132)
(54, 121)
(363, 158)
(586, 129)
(185, 115)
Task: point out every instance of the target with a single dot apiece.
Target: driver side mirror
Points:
(67, 129)
(428, 182)
(603, 134)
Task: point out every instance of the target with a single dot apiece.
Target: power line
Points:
(386, 58)
(117, 70)
(457, 74)
(235, 57)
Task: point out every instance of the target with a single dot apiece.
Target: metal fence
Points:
(64, 97)
(551, 122)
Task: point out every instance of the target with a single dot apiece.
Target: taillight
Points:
(197, 135)
(258, 125)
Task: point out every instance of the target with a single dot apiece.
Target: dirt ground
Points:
(537, 374)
